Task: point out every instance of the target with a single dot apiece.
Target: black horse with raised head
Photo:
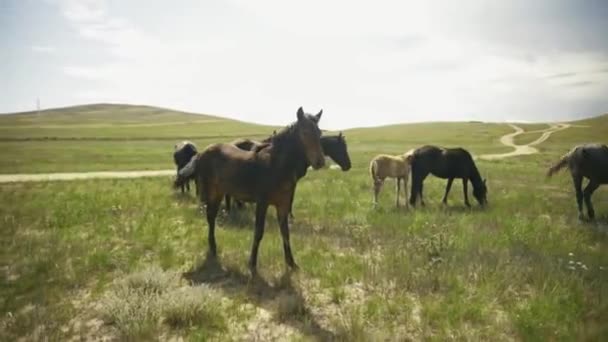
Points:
(446, 163)
(183, 153)
(585, 161)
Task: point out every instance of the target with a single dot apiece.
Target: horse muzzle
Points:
(319, 163)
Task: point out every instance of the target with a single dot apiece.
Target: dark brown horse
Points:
(585, 161)
(266, 177)
(184, 151)
(446, 163)
(334, 146)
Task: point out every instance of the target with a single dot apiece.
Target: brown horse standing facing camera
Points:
(265, 176)
(585, 161)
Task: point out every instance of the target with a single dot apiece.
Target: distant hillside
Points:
(122, 122)
(596, 120)
(103, 113)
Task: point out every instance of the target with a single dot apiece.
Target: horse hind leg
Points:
(577, 181)
(405, 191)
(377, 187)
(414, 191)
(397, 191)
(282, 216)
(213, 207)
(589, 189)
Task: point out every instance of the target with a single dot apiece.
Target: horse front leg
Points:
(377, 187)
(293, 194)
(260, 219)
(447, 191)
(282, 216)
(577, 180)
(465, 188)
(227, 199)
(589, 189)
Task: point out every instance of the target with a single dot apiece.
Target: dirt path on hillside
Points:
(526, 149)
(38, 177)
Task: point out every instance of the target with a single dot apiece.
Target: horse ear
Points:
(318, 116)
(340, 135)
(484, 181)
(300, 113)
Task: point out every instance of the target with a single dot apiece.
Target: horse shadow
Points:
(263, 293)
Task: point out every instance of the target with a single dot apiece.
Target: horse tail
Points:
(373, 171)
(563, 161)
(186, 173)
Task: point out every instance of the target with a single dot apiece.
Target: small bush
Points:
(192, 306)
(139, 304)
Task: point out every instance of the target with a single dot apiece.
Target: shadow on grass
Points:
(262, 293)
(185, 198)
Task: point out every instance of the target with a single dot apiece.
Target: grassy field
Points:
(125, 259)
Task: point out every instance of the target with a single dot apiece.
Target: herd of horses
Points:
(266, 173)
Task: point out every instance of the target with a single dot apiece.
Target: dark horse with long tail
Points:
(585, 161)
(334, 146)
(446, 163)
(184, 151)
(266, 177)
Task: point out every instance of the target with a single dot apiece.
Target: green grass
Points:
(104, 258)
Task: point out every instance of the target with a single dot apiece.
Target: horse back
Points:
(591, 160)
(443, 162)
(384, 165)
(230, 170)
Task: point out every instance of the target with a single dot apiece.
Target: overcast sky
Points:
(364, 62)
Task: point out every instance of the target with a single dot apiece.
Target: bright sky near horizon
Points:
(365, 63)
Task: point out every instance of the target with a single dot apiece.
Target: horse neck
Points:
(287, 152)
(474, 176)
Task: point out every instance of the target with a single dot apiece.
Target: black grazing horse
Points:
(334, 146)
(265, 176)
(585, 161)
(184, 151)
(446, 163)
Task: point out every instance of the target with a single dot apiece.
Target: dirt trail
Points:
(520, 150)
(82, 175)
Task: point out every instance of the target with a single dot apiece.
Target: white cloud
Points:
(43, 49)
(366, 64)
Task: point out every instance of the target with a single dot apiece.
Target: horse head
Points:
(309, 136)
